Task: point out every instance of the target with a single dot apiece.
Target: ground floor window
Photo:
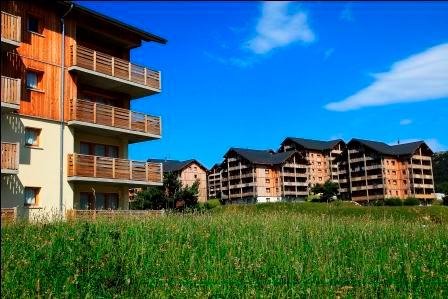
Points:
(98, 201)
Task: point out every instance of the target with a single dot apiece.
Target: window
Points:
(31, 196)
(320, 178)
(268, 190)
(268, 181)
(32, 79)
(404, 182)
(195, 169)
(33, 24)
(394, 172)
(404, 171)
(396, 192)
(99, 201)
(32, 136)
(393, 163)
(266, 171)
(318, 163)
(195, 176)
(405, 192)
(103, 150)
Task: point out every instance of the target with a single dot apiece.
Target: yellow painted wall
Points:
(38, 167)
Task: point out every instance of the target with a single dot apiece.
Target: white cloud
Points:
(405, 122)
(433, 143)
(347, 13)
(280, 24)
(420, 77)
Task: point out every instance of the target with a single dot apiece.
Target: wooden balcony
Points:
(10, 158)
(10, 94)
(88, 168)
(109, 120)
(112, 73)
(11, 31)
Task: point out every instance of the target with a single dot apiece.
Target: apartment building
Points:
(214, 181)
(378, 170)
(323, 161)
(262, 176)
(364, 171)
(188, 171)
(66, 89)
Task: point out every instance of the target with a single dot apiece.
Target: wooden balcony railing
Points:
(113, 168)
(10, 91)
(11, 28)
(106, 115)
(113, 66)
(10, 156)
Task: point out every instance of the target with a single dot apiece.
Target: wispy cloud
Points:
(433, 143)
(280, 24)
(405, 122)
(347, 13)
(328, 53)
(233, 61)
(420, 77)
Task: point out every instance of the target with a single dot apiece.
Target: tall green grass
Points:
(272, 250)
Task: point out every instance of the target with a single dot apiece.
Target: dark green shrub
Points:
(212, 203)
(411, 201)
(445, 201)
(377, 203)
(393, 201)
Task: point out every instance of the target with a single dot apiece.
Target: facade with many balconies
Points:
(378, 170)
(214, 181)
(66, 95)
(323, 161)
(364, 170)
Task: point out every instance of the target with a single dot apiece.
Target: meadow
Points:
(265, 250)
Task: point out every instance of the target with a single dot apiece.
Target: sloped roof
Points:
(176, 165)
(265, 157)
(144, 35)
(312, 144)
(393, 150)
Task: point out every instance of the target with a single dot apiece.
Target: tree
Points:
(188, 195)
(172, 186)
(151, 198)
(327, 190)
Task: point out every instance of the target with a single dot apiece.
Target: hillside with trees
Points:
(440, 167)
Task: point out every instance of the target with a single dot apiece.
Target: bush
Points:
(393, 201)
(313, 198)
(212, 203)
(411, 201)
(445, 201)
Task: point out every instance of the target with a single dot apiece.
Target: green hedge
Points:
(411, 201)
(393, 201)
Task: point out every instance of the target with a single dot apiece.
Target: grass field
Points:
(267, 250)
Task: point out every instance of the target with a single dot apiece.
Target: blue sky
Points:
(249, 74)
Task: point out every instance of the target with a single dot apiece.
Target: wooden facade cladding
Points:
(10, 93)
(95, 113)
(106, 64)
(11, 28)
(114, 169)
(10, 157)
